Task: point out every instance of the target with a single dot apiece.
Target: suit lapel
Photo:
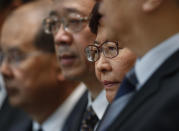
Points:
(150, 88)
(73, 121)
(13, 119)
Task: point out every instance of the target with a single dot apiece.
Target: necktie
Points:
(40, 129)
(128, 85)
(89, 120)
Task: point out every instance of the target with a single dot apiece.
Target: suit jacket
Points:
(155, 107)
(12, 119)
(73, 122)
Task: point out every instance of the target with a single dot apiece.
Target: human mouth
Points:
(67, 59)
(11, 91)
(110, 85)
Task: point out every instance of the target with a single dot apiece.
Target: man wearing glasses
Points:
(34, 81)
(72, 34)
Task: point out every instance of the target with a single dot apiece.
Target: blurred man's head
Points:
(7, 6)
(71, 41)
(33, 78)
(72, 34)
(140, 24)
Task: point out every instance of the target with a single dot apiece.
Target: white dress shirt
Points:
(152, 60)
(56, 120)
(2, 91)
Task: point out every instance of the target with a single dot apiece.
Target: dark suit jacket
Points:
(12, 119)
(74, 120)
(156, 106)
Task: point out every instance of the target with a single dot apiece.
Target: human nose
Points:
(63, 36)
(5, 69)
(103, 65)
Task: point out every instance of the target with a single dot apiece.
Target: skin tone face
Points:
(32, 83)
(112, 71)
(70, 46)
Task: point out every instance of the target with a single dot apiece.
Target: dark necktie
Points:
(40, 129)
(89, 120)
(128, 84)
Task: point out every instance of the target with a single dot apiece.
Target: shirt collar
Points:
(56, 120)
(99, 105)
(2, 91)
(153, 59)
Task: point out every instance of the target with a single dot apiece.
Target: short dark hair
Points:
(94, 18)
(44, 42)
(5, 3)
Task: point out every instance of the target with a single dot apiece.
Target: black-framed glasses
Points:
(73, 22)
(108, 48)
(15, 58)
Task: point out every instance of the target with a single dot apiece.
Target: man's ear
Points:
(151, 5)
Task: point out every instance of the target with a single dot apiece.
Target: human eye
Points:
(111, 48)
(74, 21)
(16, 56)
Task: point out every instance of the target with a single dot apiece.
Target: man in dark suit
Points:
(33, 79)
(72, 34)
(149, 28)
(11, 119)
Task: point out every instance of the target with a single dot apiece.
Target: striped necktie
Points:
(89, 120)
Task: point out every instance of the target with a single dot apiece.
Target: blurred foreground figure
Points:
(148, 97)
(12, 119)
(28, 63)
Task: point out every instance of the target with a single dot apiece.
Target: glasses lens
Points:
(110, 49)
(51, 24)
(92, 53)
(75, 22)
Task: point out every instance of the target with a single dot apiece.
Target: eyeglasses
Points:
(15, 58)
(109, 49)
(72, 23)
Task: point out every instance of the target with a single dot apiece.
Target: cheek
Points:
(21, 75)
(31, 72)
(98, 74)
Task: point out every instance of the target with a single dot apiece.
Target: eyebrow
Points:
(96, 42)
(73, 10)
